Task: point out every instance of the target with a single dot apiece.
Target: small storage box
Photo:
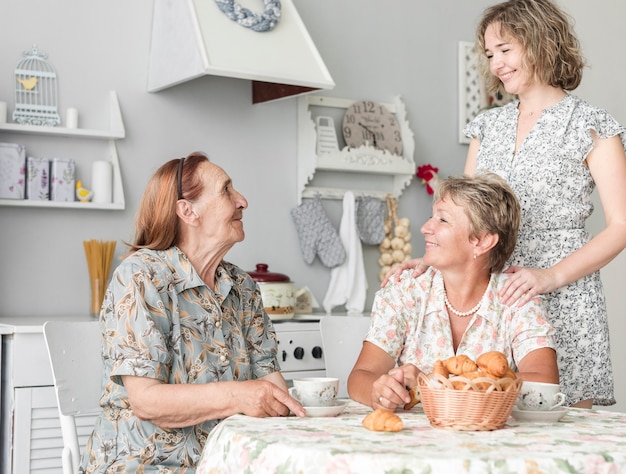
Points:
(12, 170)
(62, 179)
(37, 179)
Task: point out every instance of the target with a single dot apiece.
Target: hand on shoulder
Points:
(395, 272)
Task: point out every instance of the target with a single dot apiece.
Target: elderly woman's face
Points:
(220, 206)
(447, 236)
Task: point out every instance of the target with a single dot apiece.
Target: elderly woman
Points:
(454, 307)
(186, 340)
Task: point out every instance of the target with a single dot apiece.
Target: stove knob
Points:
(317, 352)
(298, 353)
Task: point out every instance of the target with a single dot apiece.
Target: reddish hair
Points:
(156, 223)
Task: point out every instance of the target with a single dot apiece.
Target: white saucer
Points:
(538, 416)
(332, 410)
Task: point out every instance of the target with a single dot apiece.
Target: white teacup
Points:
(540, 396)
(315, 391)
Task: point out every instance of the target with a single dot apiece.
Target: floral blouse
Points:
(410, 322)
(160, 320)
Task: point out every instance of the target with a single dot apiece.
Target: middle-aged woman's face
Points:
(505, 60)
(447, 236)
(220, 206)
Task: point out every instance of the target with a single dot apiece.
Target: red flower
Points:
(426, 173)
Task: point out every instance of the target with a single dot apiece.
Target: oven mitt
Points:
(370, 220)
(317, 235)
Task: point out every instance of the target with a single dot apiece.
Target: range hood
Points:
(193, 38)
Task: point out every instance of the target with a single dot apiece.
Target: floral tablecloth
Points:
(584, 441)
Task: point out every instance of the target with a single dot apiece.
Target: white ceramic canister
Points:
(277, 291)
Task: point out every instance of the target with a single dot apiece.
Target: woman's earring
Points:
(475, 256)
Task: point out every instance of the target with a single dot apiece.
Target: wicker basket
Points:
(469, 408)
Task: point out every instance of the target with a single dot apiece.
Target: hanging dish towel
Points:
(348, 283)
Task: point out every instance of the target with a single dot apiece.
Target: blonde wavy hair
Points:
(551, 50)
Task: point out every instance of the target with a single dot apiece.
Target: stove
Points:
(300, 351)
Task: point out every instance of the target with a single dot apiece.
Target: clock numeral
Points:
(373, 136)
(349, 119)
(347, 132)
(369, 107)
(396, 136)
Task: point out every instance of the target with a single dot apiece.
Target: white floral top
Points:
(554, 186)
(410, 322)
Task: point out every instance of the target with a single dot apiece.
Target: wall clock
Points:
(369, 122)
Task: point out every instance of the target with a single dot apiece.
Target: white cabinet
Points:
(115, 132)
(29, 422)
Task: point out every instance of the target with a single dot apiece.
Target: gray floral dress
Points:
(554, 187)
(160, 320)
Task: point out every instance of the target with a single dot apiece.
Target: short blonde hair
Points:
(491, 207)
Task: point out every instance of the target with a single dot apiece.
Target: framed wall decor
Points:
(473, 97)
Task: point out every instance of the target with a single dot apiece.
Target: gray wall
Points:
(375, 49)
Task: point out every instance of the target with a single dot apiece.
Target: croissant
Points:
(458, 385)
(493, 362)
(509, 375)
(440, 368)
(415, 398)
(459, 364)
(382, 420)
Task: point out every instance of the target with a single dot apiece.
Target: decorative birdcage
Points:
(35, 90)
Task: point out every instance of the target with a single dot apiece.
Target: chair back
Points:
(342, 339)
(75, 352)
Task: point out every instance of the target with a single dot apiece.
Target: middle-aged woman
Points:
(186, 341)
(554, 149)
(455, 306)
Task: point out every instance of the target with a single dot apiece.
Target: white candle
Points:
(71, 118)
(3, 112)
(102, 181)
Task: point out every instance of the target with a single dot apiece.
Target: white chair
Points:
(74, 348)
(342, 339)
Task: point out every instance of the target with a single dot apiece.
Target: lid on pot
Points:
(262, 274)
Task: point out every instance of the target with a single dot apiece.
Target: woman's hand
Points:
(395, 272)
(392, 389)
(260, 398)
(526, 283)
(181, 405)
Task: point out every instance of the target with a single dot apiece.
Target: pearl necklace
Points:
(463, 314)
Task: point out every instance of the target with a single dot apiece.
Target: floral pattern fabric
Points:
(549, 176)
(589, 441)
(410, 322)
(160, 320)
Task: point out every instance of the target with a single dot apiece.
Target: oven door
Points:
(300, 351)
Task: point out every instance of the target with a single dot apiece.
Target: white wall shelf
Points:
(115, 132)
(365, 159)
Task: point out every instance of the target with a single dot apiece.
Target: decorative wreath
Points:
(265, 22)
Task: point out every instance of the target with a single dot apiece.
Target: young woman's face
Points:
(505, 60)
(447, 236)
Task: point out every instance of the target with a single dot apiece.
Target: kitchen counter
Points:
(33, 324)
